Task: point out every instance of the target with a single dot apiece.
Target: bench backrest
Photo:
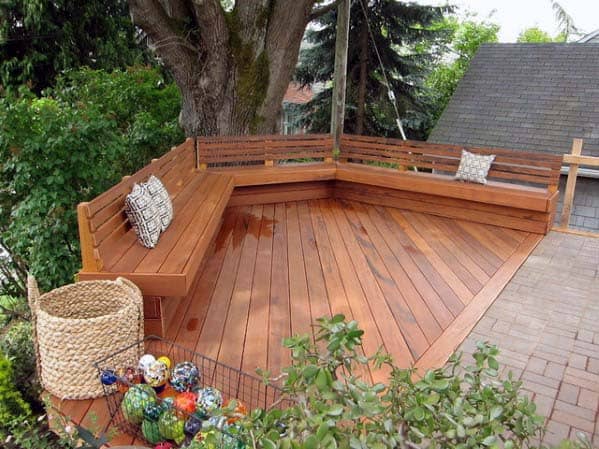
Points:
(540, 169)
(102, 221)
(225, 150)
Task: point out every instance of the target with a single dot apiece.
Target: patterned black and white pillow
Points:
(162, 200)
(143, 215)
(474, 167)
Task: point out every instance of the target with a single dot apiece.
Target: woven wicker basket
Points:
(81, 323)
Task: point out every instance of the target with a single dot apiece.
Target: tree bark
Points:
(232, 68)
(361, 106)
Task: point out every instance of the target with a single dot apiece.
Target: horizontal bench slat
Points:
(134, 255)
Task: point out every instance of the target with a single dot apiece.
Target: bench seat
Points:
(170, 268)
(109, 245)
(497, 193)
(293, 173)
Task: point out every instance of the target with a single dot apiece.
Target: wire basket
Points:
(231, 382)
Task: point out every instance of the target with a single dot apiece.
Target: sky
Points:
(515, 15)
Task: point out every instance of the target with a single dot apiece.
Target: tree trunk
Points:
(361, 106)
(232, 68)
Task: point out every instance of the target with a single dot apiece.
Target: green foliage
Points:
(535, 35)
(467, 37)
(17, 345)
(41, 39)
(11, 308)
(12, 405)
(70, 145)
(406, 39)
(332, 407)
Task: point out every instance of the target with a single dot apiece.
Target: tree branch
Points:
(212, 25)
(156, 23)
(318, 12)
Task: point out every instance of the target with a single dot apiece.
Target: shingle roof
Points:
(535, 97)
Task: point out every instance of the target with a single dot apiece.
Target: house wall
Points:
(585, 211)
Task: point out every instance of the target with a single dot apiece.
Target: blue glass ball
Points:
(108, 377)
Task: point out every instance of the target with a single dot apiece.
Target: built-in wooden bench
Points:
(110, 248)
(521, 194)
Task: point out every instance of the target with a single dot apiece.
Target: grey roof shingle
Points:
(534, 97)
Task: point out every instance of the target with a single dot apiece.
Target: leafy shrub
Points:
(70, 145)
(331, 407)
(12, 405)
(12, 308)
(16, 344)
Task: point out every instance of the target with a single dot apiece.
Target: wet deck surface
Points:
(416, 283)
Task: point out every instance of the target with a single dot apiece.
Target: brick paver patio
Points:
(546, 324)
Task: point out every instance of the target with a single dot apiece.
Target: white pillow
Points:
(143, 215)
(162, 200)
(474, 167)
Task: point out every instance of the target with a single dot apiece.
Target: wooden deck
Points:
(416, 283)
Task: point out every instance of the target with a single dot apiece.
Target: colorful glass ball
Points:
(108, 377)
(151, 431)
(152, 412)
(164, 359)
(185, 376)
(164, 445)
(145, 361)
(172, 426)
(192, 426)
(168, 403)
(209, 400)
(216, 422)
(135, 401)
(186, 402)
(156, 374)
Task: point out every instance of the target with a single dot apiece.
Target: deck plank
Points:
(439, 243)
(483, 258)
(395, 340)
(444, 290)
(418, 306)
(392, 292)
(255, 354)
(189, 324)
(233, 340)
(280, 316)
(407, 258)
(372, 340)
(211, 336)
(454, 282)
(298, 283)
(338, 300)
(319, 304)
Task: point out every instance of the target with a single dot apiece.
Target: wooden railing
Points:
(575, 159)
(267, 150)
(532, 168)
(540, 169)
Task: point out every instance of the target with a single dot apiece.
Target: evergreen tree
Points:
(407, 41)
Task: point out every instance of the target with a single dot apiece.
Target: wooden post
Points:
(88, 259)
(570, 185)
(340, 76)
